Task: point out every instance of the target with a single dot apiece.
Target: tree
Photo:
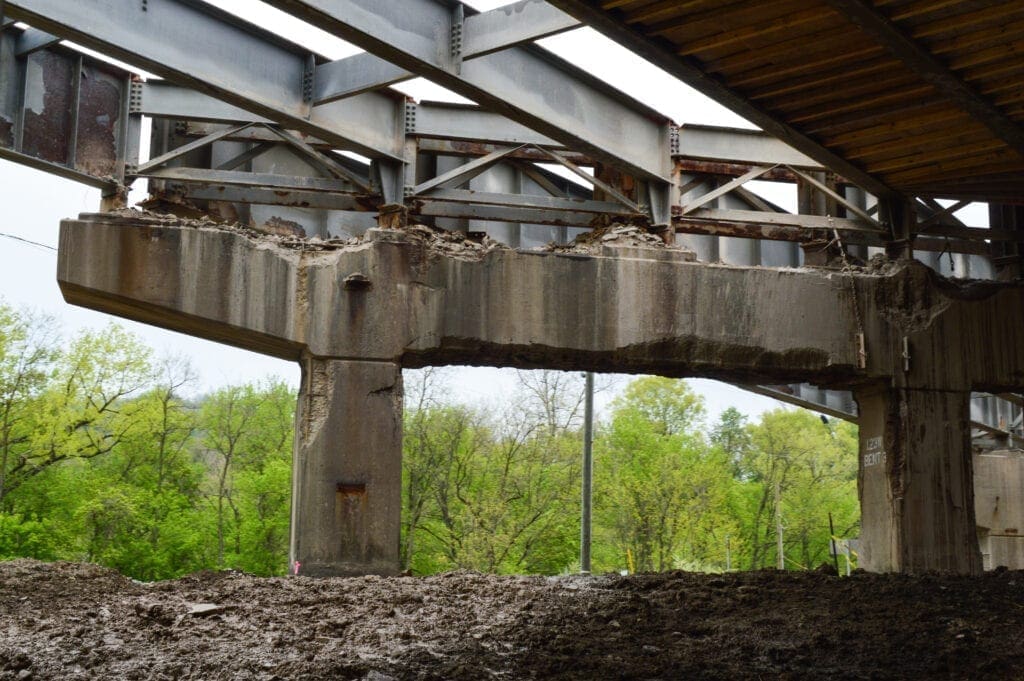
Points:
(27, 353)
(552, 398)
(156, 458)
(732, 436)
(494, 492)
(813, 467)
(669, 405)
(247, 438)
(85, 410)
(661, 490)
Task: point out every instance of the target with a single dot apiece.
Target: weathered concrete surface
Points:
(347, 469)
(394, 301)
(637, 312)
(915, 482)
(998, 507)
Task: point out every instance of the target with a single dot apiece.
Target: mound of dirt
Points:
(72, 621)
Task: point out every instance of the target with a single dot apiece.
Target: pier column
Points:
(915, 482)
(347, 474)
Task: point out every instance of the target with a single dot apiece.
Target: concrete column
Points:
(915, 482)
(347, 474)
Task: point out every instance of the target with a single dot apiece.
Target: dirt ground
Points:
(80, 621)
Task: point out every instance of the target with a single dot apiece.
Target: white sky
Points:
(32, 204)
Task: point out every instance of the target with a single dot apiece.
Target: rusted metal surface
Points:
(6, 132)
(683, 225)
(99, 121)
(468, 148)
(688, 165)
(9, 88)
(351, 489)
(49, 103)
(62, 112)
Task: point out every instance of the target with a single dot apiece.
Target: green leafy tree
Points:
(86, 409)
(497, 493)
(661, 490)
(799, 468)
(27, 353)
(247, 437)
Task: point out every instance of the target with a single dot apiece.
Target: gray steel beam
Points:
(429, 119)
(471, 123)
(552, 203)
(298, 198)
(57, 169)
(243, 179)
(842, 407)
(482, 34)
(32, 40)
(522, 214)
(354, 75)
(196, 45)
(511, 25)
(990, 413)
(733, 145)
(160, 99)
(527, 84)
(787, 219)
(690, 73)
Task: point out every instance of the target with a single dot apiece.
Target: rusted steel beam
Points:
(708, 227)
(689, 165)
(468, 148)
(799, 229)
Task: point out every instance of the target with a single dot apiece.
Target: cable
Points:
(27, 241)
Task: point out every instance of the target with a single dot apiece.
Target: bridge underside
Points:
(354, 313)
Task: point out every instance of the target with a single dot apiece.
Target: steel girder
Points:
(482, 34)
(527, 84)
(482, 132)
(429, 119)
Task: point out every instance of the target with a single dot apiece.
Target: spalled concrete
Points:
(895, 334)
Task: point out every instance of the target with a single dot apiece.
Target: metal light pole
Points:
(778, 525)
(588, 473)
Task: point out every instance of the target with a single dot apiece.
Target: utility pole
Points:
(778, 523)
(588, 473)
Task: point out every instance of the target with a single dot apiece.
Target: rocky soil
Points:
(67, 621)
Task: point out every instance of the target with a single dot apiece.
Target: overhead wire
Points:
(29, 241)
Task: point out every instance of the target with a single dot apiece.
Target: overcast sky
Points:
(32, 204)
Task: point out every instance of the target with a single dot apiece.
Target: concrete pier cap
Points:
(910, 344)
